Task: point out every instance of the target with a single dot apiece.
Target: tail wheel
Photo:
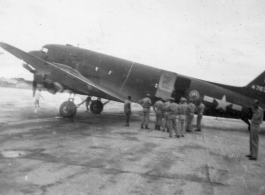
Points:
(96, 107)
(68, 109)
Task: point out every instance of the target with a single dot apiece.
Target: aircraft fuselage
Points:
(126, 78)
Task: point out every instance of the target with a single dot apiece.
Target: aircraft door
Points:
(180, 88)
(166, 84)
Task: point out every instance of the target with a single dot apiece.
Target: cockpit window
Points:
(44, 50)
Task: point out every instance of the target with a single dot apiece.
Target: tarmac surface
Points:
(44, 154)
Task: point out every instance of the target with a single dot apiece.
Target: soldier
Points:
(159, 110)
(146, 104)
(201, 109)
(165, 122)
(191, 110)
(256, 120)
(127, 110)
(37, 100)
(173, 111)
(183, 116)
(87, 100)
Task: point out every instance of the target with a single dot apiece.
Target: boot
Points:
(158, 128)
(146, 127)
(155, 127)
(142, 126)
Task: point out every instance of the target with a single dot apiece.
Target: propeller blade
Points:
(34, 86)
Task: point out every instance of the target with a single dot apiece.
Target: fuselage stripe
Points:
(208, 99)
(127, 76)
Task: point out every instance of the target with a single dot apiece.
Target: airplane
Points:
(80, 71)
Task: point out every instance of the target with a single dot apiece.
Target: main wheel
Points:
(68, 109)
(96, 107)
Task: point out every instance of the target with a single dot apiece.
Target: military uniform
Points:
(256, 120)
(159, 110)
(146, 104)
(182, 117)
(88, 100)
(166, 113)
(191, 110)
(201, 109)
(173, 111)
(127, 111)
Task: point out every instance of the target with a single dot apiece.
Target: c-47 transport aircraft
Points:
(80, 71)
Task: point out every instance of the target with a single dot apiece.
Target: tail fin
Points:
(256, 88)
(258, 81)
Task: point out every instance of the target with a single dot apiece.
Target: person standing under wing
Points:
(159, 110)
(37, 100)
(146, 104)
(87, 100)
(127, 110)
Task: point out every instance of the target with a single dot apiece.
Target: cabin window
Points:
(44, 50)
(96, 69)
(110, 72)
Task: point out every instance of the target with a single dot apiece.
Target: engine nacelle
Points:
(29, 68)
(52, 87)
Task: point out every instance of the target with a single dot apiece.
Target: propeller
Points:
(34, 85)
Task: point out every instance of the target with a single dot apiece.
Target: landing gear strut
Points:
(68, 108)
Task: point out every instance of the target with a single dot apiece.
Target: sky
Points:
(220, 41)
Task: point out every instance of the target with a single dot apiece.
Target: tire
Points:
(68, 109)
(96, 107)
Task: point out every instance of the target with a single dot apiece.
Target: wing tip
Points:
(2, 44)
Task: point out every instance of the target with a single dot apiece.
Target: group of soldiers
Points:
(170, 116)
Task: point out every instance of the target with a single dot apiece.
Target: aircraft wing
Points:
(63, 74)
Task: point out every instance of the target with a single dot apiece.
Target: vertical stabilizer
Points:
(256, 88)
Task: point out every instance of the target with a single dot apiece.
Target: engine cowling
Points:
(42, 81)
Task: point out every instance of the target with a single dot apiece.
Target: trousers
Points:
(189, 121)
(145, 117)
(182, 123)
(159, 116)
(172, 124)
(199, 119)
(254, 140)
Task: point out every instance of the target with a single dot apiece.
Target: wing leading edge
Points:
(63, 74)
